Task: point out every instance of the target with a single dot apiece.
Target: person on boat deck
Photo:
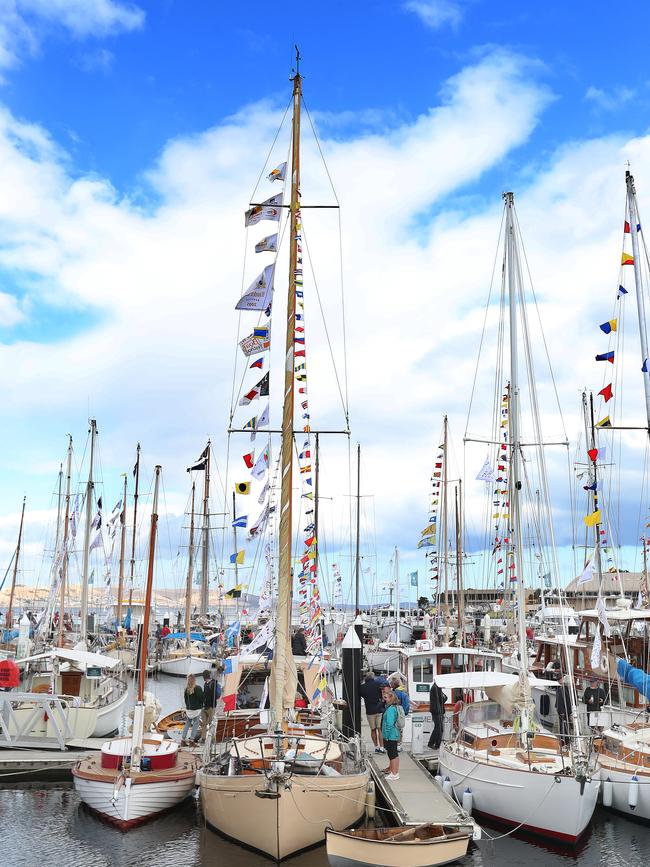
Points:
(165, 631)
(564, 708)
(371, 693)
(299, 642)
(193, 696)
(437, 699)
(300, 701)
(594, 698)
(391, 734)
(211, 695)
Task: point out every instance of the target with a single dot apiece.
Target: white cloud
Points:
(162, 281)
(24, 23)
(612, 100)
(437, 13)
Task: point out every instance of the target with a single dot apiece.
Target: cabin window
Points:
(580, 659)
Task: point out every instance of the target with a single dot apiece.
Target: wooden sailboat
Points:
(517, 773)
(136, 777)
(94, 684)
(277, 792)
(427, 845)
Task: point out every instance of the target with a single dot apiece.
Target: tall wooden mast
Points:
(136, 473)
(148, 590)
(205, 558)
(282, 658)
(443, 528)
(9, 614)
(190, 573)
(120, 585)
(90, 487)
(66, 533)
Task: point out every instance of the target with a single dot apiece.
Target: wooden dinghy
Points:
(426, 845)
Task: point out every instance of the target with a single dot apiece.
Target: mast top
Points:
(629, 180)
(509, 199)
(296, 73)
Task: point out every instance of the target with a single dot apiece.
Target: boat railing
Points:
(15, 728)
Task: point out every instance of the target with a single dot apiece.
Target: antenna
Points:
(296, 72)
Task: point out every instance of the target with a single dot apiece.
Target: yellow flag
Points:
(593, 519)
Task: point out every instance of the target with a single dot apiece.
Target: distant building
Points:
(613, 583)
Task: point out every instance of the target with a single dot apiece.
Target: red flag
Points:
(607, 392)
(626, 228)
(249, 459)
(230, 701)
(593, 454)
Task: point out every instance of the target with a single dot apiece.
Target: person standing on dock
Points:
(193, 696)
(437, 699)
(391, 735)
(211, 695)
(371, 690)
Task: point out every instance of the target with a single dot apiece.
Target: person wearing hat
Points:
(594, 698)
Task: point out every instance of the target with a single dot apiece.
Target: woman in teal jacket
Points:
(391, 734)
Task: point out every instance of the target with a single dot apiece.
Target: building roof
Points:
(629, 581)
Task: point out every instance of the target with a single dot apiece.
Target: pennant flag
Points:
(235, 592)
(430, 530)
(593, 519)
(606, 393)
(604, 422)
(249, 459)
(242, 521)
(232, 632)
(263, 385)
(621, 291)
(242, 488)
(594, 486)
(258, 295)
(250, 396)
(254, 344)
(263, 420)
(268, 210)
(201, 462)
(596, 651)
(627, 259)
(602, 616)
(262, 332)
(260, 524)
(268, 244)
(606, 356)
(608, 326)
(414, 578)
(230, 664)
(626, 228)
(238, 558)
(426, 543)
(279, 173)
(229, 701)
(261, 465)
(644, 366)
(486, 473)
(258, 363)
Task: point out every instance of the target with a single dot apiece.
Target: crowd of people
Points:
(387, 706)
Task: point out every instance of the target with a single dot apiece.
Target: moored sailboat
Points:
(136, 777)
(278, 791)
(518, 773)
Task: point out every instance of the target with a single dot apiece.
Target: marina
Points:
(346, 558)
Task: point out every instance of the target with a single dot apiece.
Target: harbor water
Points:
(46, 824)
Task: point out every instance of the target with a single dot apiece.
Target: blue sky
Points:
(131, 135)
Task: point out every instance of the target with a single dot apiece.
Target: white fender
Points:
(370, 800)
(468, 801)
(607, 788)
(633, 793)
(438, 779)
(447, 787)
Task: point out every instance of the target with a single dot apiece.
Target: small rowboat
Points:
(419, 846)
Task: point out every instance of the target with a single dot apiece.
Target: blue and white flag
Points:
(232, 632)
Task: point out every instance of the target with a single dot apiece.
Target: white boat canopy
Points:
(81, 657)
(486, 680)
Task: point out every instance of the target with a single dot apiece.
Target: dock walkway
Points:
(415, 798)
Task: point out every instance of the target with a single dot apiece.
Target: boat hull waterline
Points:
(548, 805)
(232, 807)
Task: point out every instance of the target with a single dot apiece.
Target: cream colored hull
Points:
(345, 851)
(285, 825)
(181, 666)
